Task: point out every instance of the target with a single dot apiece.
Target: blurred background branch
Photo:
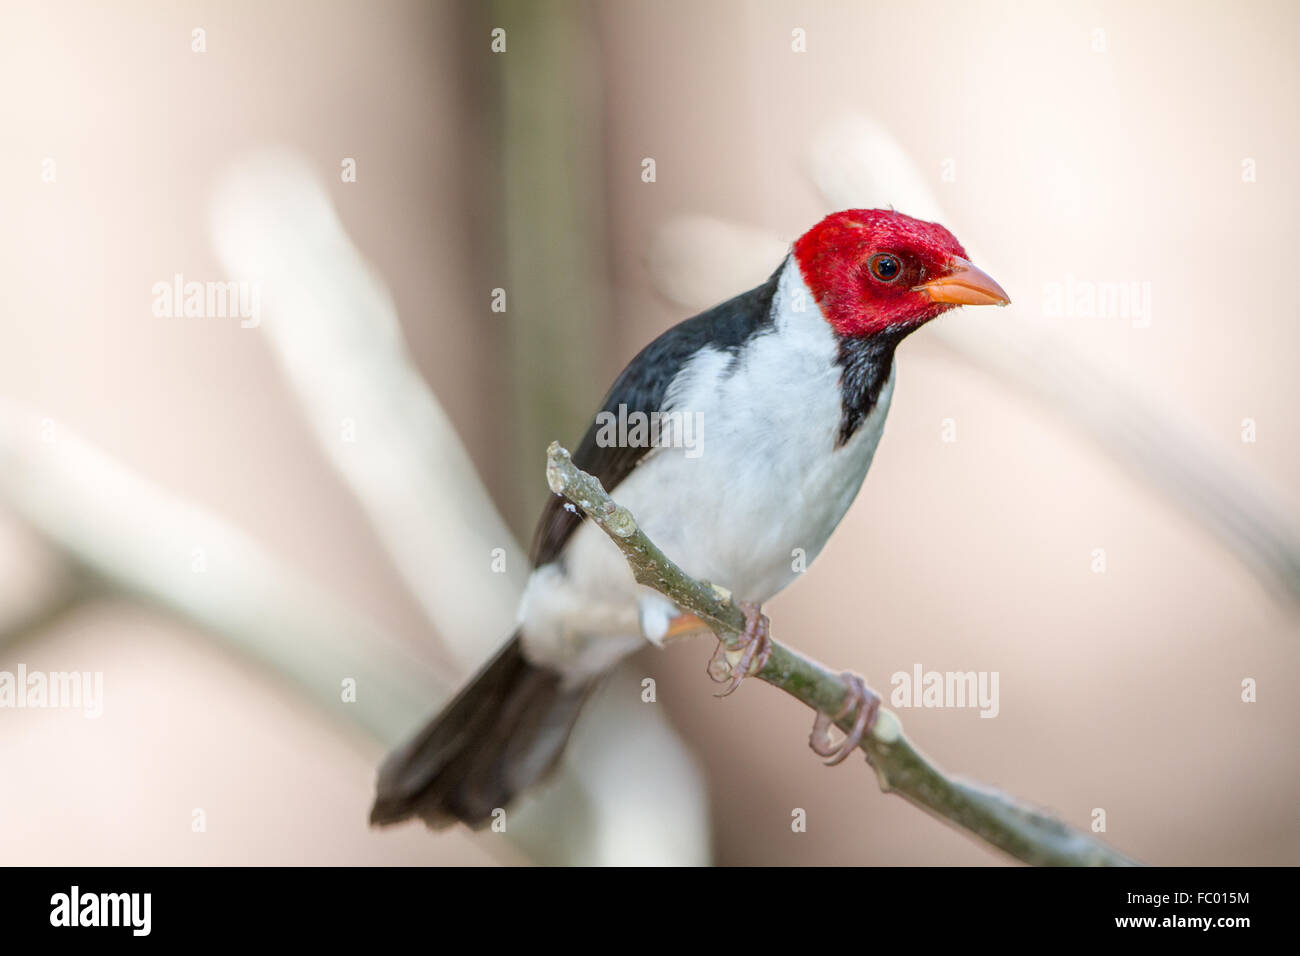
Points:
(126, 535)
(336, 334)
(334, 329)
(123, 535)
(556, 265)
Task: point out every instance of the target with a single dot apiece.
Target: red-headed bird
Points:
(735, 438)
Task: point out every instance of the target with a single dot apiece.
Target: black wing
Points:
(642, 388)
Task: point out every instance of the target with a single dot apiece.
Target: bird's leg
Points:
(861, 698)
(755, 648)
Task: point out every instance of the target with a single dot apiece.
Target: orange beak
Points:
(964, 284)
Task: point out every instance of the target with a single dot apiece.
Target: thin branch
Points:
(996, 818)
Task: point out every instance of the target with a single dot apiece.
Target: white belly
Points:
(749, 508)
(761, 501)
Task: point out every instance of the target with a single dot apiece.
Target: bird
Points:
(769, 410)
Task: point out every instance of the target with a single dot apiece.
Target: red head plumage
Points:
(875, 269)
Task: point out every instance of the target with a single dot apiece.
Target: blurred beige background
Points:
(1118, 691)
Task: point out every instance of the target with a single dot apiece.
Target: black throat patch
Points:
(865, 363)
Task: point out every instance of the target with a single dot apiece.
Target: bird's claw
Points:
(861, 698)
(755, 646)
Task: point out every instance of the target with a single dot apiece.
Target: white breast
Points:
(756, 498)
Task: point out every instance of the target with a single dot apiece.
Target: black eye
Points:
(886, 267)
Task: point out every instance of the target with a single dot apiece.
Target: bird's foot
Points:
(755, 648)
(860, 698)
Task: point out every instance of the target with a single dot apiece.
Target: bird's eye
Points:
(886, 267)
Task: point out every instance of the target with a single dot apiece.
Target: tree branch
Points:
(996, 818)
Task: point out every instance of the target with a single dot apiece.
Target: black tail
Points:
(504, 731)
